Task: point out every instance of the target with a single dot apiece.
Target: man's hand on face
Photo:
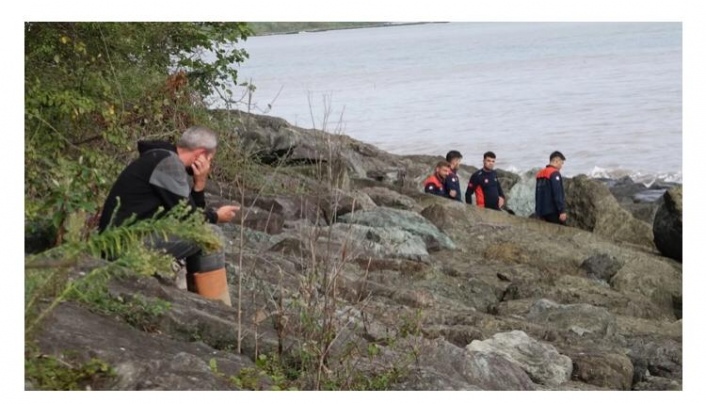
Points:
(201, 168)
(452, 193)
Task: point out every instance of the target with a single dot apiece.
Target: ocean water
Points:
(608, 95)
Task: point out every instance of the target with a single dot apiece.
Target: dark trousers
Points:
(187, 250)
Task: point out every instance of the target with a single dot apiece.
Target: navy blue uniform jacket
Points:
(433, 185)
(454, 184)
(549, 193)
(486, 187)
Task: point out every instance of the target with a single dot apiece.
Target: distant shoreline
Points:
(382, 24)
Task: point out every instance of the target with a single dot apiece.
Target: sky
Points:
(694, 48)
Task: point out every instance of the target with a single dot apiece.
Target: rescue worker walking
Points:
(550, 204)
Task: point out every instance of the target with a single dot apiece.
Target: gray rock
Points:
(542, 362)
(411, 222)
(592, 207)
(389, 198)
(655, 383)
(656, 355)
(487, 370)
(659, 281)
(601, 266)
(338, 203)
(382, 242)
(520, 198)
(579, 318)
(142, 361)
(610, 370)
(429, 379)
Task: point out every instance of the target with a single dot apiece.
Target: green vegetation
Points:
(50, 280)
(92, 89)
(50, 373)
(47, 275)
(263, 28)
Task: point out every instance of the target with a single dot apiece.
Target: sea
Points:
(607, 95)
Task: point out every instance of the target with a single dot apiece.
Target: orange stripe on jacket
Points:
(433, 179)
(546, 173)
(480, 196)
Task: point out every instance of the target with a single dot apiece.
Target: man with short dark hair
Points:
(158, 178)
(453, 184)
(435, 183)
(485, 186)
(550, 205)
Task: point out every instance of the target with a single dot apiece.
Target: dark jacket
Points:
(486, 187)
(452, 183)
(156, 179)
(434, 185)
(549, 193)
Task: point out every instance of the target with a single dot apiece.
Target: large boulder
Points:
(507, 181)
(657, 280)
(411, 222)
(634, 197)
(601, 266)
(486, 370)
(380, 242)
(611, 370)
(142, 361)
(520, 197)
(542, 362)
(591, 206)
(337, 203)
(667, 226)
(578, 318)
(386, 197)
(274, 141)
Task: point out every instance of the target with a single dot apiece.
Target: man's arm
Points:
(452, 185)
(201, 169)
(169, 182)
(433, 189)
(558, 192)
(500, 187)
(472, 184)
(501, 194)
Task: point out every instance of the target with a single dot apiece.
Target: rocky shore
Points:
(399, 290)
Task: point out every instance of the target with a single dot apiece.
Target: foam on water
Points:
(637, 176)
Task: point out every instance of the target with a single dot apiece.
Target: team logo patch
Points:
(486, 180)
(453, 179)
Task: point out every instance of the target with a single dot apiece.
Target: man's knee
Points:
(206, 262)
(203, 262)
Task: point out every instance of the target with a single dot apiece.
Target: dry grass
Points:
(506, 252)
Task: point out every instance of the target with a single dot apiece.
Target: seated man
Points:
(435, 183)
(158, 178)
